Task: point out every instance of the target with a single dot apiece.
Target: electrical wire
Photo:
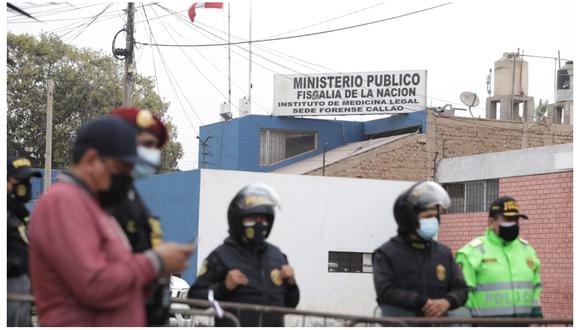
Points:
(89, 24)
(306, 34)
(170, 76)
(328, 20)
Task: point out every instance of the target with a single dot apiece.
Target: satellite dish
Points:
(469, 99)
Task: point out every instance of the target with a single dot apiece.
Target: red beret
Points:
(144, 120)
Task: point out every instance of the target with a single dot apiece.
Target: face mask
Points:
(509, 231)
(428, 228)
(23, 191)
(255, 233)
(152, 156)
(141, 171)
(120, 185)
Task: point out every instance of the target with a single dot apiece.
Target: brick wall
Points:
(413, 158)
(547, 200)
(385, 162)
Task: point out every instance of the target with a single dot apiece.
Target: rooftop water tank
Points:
(505, 78)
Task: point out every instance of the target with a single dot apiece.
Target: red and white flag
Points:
(191, 11)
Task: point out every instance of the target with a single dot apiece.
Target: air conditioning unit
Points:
(225, 111)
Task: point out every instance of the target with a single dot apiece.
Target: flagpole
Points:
(229, 62)
(250, 65)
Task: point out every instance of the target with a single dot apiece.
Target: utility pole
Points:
(229, 62)
(204, 146)
(250, 64)
(48, 146)
(129, 65)
(324, 159)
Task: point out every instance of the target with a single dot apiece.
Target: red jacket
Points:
(82, 269)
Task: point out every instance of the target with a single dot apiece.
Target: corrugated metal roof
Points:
(337, 154)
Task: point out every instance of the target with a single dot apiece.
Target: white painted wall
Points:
(529, 161)
(319, 214)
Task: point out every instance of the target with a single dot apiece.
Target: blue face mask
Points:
(428, 228)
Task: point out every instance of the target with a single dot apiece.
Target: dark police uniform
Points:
(144, 232)
(19, 169)
(261, 267)
(408, 273)
(17, 239)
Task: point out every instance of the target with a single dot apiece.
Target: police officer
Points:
(143, 229)
(415, 275)
(501, 268)
(245, 268)
(19, 193)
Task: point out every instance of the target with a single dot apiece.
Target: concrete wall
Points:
(318, 215)
(547, 200)
(528, 161)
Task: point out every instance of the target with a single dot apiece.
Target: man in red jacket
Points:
(82, 268)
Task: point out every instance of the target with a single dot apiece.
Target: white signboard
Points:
(356, 93)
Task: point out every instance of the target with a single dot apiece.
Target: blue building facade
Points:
(245, 143)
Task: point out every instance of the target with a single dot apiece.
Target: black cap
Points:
(110, 136)
(19, 168)
(506, 206)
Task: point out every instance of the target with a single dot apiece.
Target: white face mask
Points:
(150, 155)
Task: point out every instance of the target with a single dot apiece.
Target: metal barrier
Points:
(346, 320)
(203, 308)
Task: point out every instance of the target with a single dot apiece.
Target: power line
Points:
(192, 63)
(89, 24)
(328, 20)
(324, 67)
(302, 35)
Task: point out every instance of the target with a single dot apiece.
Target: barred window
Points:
(472, 196)
(278, 145)
(350, 262)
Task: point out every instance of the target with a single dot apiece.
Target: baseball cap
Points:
(20, 168)
(144, 120)
(110, 136)
(506, 206)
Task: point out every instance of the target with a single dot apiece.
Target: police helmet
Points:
(255, 199)
(420, 197)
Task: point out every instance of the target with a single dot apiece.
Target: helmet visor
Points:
(256, 197)
(428, 195)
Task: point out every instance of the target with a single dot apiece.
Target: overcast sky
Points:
(457, 44)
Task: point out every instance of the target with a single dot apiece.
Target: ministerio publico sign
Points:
(360, 93)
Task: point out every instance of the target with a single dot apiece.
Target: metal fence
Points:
(203, 312)
(296, 317)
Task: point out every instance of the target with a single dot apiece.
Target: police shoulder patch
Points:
(203, 268)
(523, 241)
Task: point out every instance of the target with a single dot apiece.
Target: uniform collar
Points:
(421, 245)
(253, 249)
(495, 239)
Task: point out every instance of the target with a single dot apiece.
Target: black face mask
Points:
(509, 233)
(120, 185)
(23, 191)
(255, 235)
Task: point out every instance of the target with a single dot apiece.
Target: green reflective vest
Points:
(503, 277)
